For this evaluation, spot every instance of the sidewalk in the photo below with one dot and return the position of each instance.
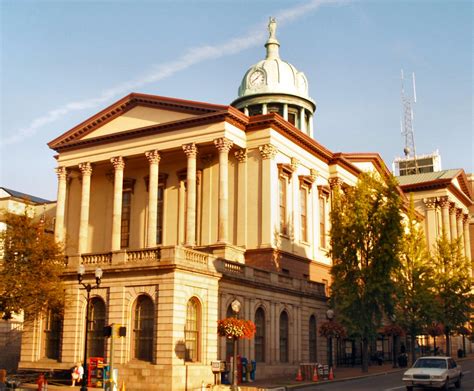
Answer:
(282, 383)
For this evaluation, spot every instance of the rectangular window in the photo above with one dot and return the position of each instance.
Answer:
(283, 202)
(126, 212)
(322, 222)
(159, 212)
(304, 213)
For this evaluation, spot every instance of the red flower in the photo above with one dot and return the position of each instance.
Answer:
(435, 329)
(236, 328)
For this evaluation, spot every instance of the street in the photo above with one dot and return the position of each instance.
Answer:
(390, 382)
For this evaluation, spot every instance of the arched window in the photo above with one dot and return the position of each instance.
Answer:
(143, 328)
(284, 337)
(192, 329)
(229, 344)
(96, 328)
(53, 326)
(260, 335)
(313, 350)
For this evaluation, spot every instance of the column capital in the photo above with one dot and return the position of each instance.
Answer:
(443, 202)
(241, 155)
(459, 213)
(223, 144)
(465, 218)
(190, 150)
(61, 171)
(430, 203)
(86, 168)
(335, 182)
(452, 208)
(118, 162)
(153, 157)
(313, 173)
(268, 151)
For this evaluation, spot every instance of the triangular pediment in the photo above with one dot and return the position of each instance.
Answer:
(134, 111)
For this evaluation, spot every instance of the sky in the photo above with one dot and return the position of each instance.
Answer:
(64, 61)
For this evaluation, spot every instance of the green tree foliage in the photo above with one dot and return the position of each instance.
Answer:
(453, 286)
(31, 267)
(365, 233)
(414, 279)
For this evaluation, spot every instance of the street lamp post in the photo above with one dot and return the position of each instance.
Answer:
(394, 345)
(88, 287)
(235, 305)
(330, 316)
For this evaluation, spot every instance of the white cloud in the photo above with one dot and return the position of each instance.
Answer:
(192, 56)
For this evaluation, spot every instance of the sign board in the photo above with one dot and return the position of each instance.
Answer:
(216, 366)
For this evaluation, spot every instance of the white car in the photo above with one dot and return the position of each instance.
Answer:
(433, 371)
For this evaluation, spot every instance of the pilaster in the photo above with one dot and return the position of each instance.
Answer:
(467, 239)
(241, 156)
(269, 195)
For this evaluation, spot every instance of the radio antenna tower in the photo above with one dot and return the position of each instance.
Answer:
(407, 124)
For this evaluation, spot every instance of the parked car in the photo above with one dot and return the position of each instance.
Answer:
(433, 371)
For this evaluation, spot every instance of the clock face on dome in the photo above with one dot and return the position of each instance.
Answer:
(256, 78)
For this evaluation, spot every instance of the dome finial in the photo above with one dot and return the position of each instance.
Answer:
(272, 44)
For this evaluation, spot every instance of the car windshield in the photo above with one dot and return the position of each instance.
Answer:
(430, 363)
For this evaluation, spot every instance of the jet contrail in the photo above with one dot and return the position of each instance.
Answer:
(192, 56)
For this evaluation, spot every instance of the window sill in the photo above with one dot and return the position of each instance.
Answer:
(305, 243)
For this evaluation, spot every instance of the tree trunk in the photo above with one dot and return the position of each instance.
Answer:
(365, 355)
(448, 344)
(412, 348)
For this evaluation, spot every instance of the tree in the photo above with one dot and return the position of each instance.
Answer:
(32, 265)
(414, 281)
(365, 234)
(453, 286)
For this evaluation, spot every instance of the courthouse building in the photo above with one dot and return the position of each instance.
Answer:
(186, 206)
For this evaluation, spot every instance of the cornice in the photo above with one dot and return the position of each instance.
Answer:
(285, 128)
(439, 184)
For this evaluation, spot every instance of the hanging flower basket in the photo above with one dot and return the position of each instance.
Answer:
(463, 330)
(332, 329)
(392, 329)
(234, 328)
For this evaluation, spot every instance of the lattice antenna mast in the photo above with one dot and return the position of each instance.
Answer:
(406, 125)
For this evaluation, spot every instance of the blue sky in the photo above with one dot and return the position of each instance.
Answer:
(63, 61)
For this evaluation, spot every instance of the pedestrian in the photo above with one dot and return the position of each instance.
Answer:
(77, 374)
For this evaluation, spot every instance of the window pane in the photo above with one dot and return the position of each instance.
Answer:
(312, 339)
(284, 337)
(159, 219)
(322, 223)
(282, 190)
(143, 328)
(260, 335)
(125, 226)
(303, 207)
(52, 334)
(96, 338)
(192, 330)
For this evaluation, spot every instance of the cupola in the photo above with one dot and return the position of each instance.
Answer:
(274, 85)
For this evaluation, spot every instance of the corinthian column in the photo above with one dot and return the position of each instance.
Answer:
(119, 166)
(86, 170)
(191, 152)
(444, 203)
(154, 160)
(223, 145)
(60, 204)
(452, 216)
(269, 202)
(467, 240)
(430, 221)
(460, 229)
(241, 156)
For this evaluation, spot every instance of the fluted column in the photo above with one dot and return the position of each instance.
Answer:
(154, 160)
(444, 203)
(119, 166)
(285, 111)
(430, 221)
(86, 170)
(60, 204)
(460, 229)
(241, 156)
(302, 121)
(452, 216)
(467, 239)
(223, 145)
(191, 152)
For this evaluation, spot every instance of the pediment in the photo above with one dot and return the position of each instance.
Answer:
(134, 111)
